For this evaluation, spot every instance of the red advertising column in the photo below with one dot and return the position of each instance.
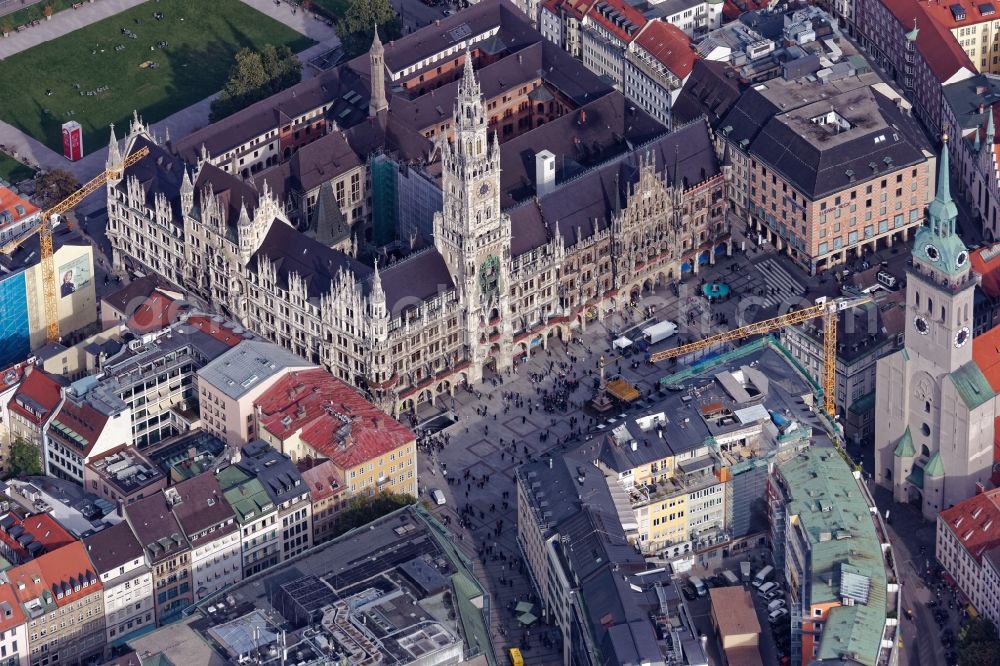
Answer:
(72, 135)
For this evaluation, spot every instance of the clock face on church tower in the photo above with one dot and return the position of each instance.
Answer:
(932, 252)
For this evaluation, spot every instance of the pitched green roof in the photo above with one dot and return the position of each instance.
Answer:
(916, 476)
(904, 449)
(972, 385)
(834, 517)
(934, 466)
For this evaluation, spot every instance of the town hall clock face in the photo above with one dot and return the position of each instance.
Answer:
(489, 278)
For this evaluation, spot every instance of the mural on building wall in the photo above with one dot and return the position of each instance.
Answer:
(73, 276)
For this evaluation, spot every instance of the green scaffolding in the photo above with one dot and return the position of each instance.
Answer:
(384, 201)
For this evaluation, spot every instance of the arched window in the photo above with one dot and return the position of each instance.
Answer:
(944, 313)
(927, 406)
(916, 295)
(924, 451)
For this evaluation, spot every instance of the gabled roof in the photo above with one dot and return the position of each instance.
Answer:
(986, 354)
(422, 275)
(33, 535)
(975, 522)
(37, 396)
(15, 207)
(134, 294)
(58, 578)
(331, 417)
(939, 48)
(669, 45)
(11, 614)
(292, 252)
(156, 527)
(203, 507)
(112, 548)
(972, 385)
(323, 480)
(617, 17)
(78, 424)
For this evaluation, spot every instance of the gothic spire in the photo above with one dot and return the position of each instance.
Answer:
(469, 88)
(377, 295)
(114, 155)
(942, 209)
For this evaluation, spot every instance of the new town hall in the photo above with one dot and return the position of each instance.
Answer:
(492, 282)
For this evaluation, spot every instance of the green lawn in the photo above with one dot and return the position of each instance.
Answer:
(335, 8)
(35, 12)
(13, 171)
(202, 36)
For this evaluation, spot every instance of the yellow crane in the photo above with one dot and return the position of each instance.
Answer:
(824, 307)
(44, 231)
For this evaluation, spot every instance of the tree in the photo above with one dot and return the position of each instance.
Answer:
(24, 459)
(256, 75)
(355, 27)
(978, 644)
(51, 187)
(362, 510)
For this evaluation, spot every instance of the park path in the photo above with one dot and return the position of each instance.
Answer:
(181, 123)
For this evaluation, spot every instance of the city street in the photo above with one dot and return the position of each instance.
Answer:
(480, 451)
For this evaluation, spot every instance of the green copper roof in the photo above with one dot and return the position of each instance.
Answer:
(904, 449)
(836, 521)
(916, 477)
(972, 385)
(936, 245)
(249, 501)
(934, 467)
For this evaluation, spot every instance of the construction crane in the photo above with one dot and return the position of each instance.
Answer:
(44, 230)
(826, 308)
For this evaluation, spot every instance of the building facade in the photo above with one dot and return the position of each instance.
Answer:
(968, 537)
(127, 580)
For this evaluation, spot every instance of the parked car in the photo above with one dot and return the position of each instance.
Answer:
(776, 615)
(775, 605)
(766, 587)
(773, 594)
(437, 496)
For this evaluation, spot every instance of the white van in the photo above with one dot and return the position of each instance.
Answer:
(765, 588)
(776, 615)
(438, 496)
(775, 605)
(699, 585)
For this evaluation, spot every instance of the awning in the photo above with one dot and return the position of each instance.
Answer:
(622, 343)
(622, 390)
(524, 607)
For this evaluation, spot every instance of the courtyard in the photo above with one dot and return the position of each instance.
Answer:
(156, 58)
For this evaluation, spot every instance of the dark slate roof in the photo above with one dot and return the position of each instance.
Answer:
(230, 191)
(418, 277)
(282, 481)
(329, 87)
(202, 507)
(964, 97)
(153, 523)
(580, 140)
(711, 90)
(324, 159)
(588, 202)
(393, 136)
(158, 173)
(113, 547)
(812, 158)
(293, 252)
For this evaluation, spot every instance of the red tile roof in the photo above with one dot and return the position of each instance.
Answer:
(668, 44)
(323, 480)
(975, 522)
(936, 44)
(573, 8)
(38, 390)
(215, 329)
(82, 419)
(331, 417)
(42, 528)
(986, 262)
(9, 202)
(599, 14)
(943, 15)
(8, 600)
(986, 354)
(62, 574)
(155, 314)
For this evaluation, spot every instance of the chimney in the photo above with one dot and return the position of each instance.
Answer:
(545, 172)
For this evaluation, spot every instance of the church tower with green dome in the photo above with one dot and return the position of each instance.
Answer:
(936, 410)
(937, 249)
